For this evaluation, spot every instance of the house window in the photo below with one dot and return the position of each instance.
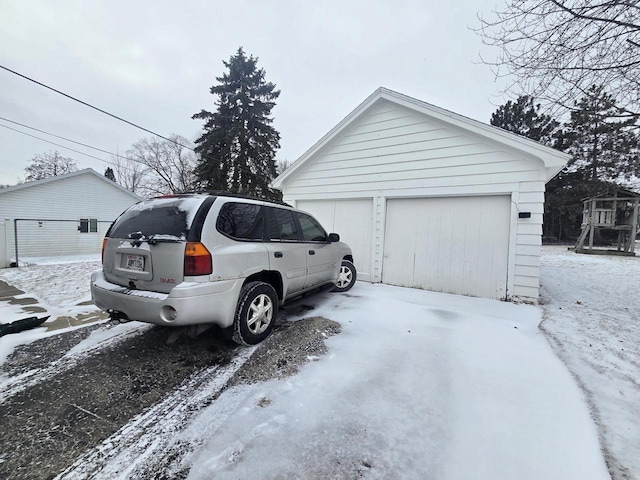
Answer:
(88, 225)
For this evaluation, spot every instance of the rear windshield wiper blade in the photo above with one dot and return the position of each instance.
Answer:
(163, 238)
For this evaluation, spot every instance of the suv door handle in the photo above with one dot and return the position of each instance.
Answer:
(312, 252)
(277, 254)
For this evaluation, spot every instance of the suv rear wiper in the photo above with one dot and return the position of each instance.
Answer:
(162, 238)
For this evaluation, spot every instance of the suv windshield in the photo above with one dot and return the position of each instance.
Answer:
(157, 217)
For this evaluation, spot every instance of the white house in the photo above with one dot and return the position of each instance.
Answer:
(428, 198)
(64, 215)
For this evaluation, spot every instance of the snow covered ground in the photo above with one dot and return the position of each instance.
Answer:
(59, 284)
(592, 316)
(417, 385)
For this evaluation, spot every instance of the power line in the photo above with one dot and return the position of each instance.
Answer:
(62, 138)
(95, 108)
(76, 151)
(53, 143)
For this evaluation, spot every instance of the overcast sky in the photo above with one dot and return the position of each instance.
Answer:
(153, 63)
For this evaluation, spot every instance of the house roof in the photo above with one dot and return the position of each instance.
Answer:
(552, 159)
(86, 171)
(616, 191)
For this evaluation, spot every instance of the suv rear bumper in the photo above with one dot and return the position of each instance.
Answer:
(194, 303)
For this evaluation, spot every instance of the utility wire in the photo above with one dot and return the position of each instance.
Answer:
(95, 108)
(62, 138)
(53, 143)
(76, 151)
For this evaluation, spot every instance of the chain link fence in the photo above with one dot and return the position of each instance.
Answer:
(49, 237)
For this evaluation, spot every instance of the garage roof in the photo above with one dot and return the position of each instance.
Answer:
(86, 171)
(552, 159)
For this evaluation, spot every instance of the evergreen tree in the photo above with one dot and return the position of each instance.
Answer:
(605, 154)
(603, 147)
(524, 118)
(237, 149)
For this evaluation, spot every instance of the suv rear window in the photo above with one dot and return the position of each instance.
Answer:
(159, 216)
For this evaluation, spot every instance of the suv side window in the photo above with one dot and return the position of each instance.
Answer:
(282, 225)
(311, 229)
(241, 221)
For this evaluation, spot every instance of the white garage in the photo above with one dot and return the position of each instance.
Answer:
(429, 199)
(62, 215)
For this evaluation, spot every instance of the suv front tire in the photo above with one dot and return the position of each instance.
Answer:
(346, 278)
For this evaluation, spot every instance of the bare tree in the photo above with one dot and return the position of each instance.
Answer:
(555, 50)
(168, 166)
(49, 164)
(156, 167)
(281, 166)
(130, 175)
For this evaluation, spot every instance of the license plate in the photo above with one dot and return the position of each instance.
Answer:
(135, 262)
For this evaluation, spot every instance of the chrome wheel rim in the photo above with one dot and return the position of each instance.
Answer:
(345, 277)
(260, 314)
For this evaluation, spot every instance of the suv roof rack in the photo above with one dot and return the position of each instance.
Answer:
(223, 193)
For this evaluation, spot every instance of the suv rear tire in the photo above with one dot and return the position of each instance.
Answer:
(255, 314)
(347, 277)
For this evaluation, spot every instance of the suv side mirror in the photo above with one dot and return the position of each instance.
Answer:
(334, 237)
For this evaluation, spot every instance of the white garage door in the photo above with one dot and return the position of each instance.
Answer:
(351, 219)
(453, 245)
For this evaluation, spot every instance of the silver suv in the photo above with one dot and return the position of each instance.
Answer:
(215, 259)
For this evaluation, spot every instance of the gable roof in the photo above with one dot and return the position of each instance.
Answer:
(86, 171)
(552, 159)
(614, 191)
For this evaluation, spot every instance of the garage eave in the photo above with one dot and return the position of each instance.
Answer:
(553, 160)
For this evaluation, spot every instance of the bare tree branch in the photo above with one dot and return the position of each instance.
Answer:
(157, 167)
(50, 164)
(130, 175)
(555, 50)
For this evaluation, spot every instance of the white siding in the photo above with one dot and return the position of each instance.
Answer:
(69, 198)
(392, 151)
(4, 260)
(403, 152)
(50, 238)
(526, 278)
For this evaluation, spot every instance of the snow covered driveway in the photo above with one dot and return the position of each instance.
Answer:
(417, 385)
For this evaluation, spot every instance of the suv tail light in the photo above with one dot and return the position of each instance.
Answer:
(104, 244)
(197, 260)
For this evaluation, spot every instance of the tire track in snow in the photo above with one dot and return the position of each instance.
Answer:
(98, 340)
(47, 426)
(146, 441)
